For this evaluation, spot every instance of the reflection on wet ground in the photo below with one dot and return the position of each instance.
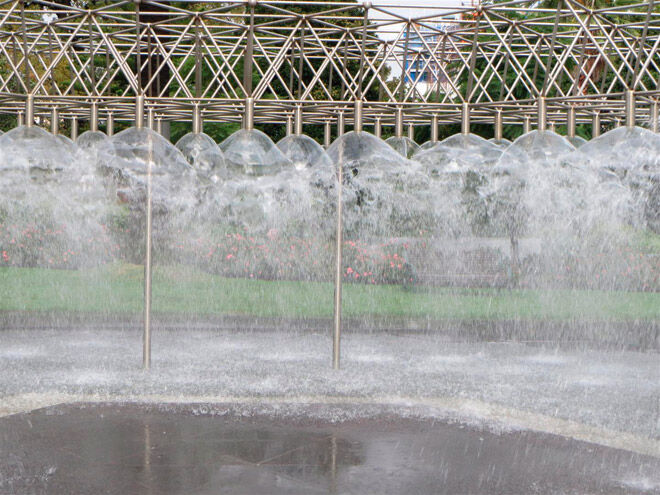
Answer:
(193, 449)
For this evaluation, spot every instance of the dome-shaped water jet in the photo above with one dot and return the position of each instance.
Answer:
(253, 153)
(204, 155)
(403, 145)
(303, 152)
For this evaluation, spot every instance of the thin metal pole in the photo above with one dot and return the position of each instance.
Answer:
(94, 117)
(327, 134)
(248, 118)
(398, 123)
(298, 120)
(159, 125)
(29, 110)
(595, 125)
(630, 108)
(570, 122)
(527, 124)
(19, 119)
(336, 338)
(411, 131)
(498, 125)
(434, 128)
(378, 128)
(146, 337)
(151, 118)
(110, 124)
(340, 124)
(197, 119)
(357, 116)
(654, 116)
(249, 53)
(465, 118)
(289, 125)
(54, 121)
(542, 113)
(74, 128)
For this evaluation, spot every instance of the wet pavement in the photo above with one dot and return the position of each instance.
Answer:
(222, 448)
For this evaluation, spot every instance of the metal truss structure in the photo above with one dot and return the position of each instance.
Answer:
(331, 63)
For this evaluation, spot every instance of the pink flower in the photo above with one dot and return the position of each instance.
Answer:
(349, 270)
(230, 256)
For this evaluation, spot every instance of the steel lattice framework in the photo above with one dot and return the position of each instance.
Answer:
(323, 62)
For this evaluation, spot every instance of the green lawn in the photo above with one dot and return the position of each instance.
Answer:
(118, 289)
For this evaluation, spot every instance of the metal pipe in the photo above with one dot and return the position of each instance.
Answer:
(654, 116)
(527, 124)
(595, 125)
(465, 118)
(327, 134)
(498, 125)
(54, 121)
(336, 338)
(146, 336)
(29, 110)
(19, 119)
(74, 128)
(340, 124)
(151, 118)
(357, 116)
(298, 120)
(139, 111)
(552, 126)
(570, 122)
(159, 125)
(94, 117)
(434, 128)
(398, 123)
(197, 119)
(289, 125)
(630, 108)
(378, 128)
(542, 109)
(248, 116)
(411, 131)
(110, 124)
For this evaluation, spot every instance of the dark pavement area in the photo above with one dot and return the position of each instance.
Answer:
(226, 449)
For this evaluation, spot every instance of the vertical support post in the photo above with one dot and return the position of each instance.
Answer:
(542, 116)
(197, 119)
(398, 123)
(74, 128)
(159, 125)
(94, 117)
(340, 124)
(357, 116)
(595, 125)
(139, 111)
(630, 108)
(298, 120)
(570, 122)
(198, 59)
(54, 121)
(527, 124)
(29, 110)
(19, 119)
(248, 116)
(249, 52)
(336, 337)
(498, 125)
(151, 118)
(411, 131)
(434, 128)
(552, 126)
(146, 336)
(654, 116)
(327, 134)
(378, 128)
(289, 125)
(110, 124)
(465, 118)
